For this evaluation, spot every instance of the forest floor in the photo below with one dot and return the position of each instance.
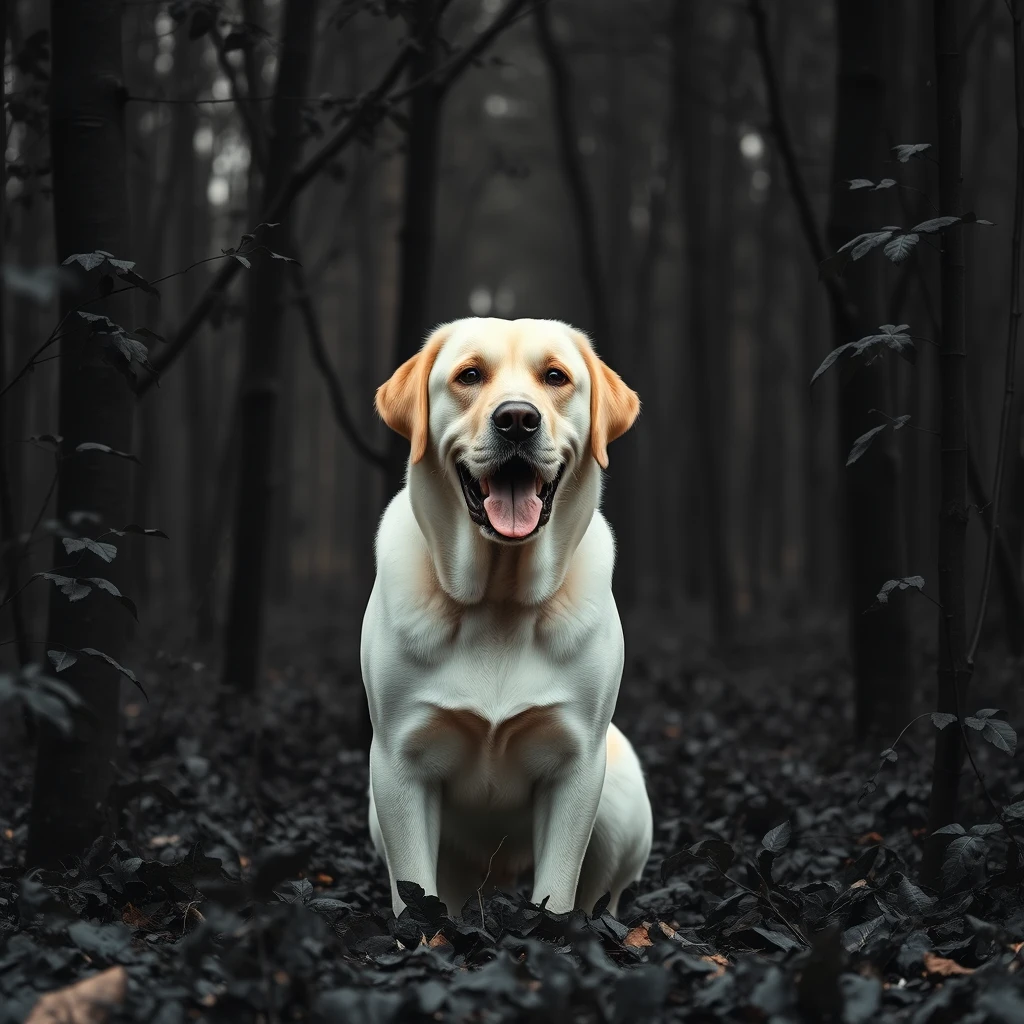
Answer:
(242, 885)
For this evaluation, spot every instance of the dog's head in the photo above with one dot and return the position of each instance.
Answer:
(508, 407)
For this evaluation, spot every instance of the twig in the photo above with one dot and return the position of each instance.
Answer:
(797, 186)
(304, 299)
(318, 351)
(1012, 328)
(480, 891)
(574, 174)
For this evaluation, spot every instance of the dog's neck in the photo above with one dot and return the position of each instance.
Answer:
(470, 568)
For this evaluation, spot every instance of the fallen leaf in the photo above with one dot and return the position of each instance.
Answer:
(134, 918)
(323, 879)
(88, 1001)
(935, 964)
(667, 930)
(8, 833)
(438, 940)
(870, 837)
(638, 938)
(716, 958)
(157, 842)
(859, 883)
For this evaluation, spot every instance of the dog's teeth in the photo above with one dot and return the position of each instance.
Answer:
(485, 487)
(540, 483)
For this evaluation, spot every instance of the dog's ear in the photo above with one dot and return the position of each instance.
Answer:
(613, 405)
(402, 400)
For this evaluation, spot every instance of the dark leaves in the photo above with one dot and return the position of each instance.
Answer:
(863, 443)
(891, 336)
(905, 151)
(95, 446)
(904, 583)
(778, 838)
(106, 552)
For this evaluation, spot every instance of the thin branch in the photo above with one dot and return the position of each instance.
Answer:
(372, 102)
(574, 173)
(303, 298)
(318, 351)
(797, 186)
(1012, 328)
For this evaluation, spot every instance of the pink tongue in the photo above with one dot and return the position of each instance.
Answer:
(513, 506)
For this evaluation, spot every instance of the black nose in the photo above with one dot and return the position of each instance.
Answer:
(516, 420)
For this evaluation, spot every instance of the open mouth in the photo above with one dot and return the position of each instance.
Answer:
(514, 501)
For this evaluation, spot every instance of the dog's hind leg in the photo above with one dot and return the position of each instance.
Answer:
(621, 841)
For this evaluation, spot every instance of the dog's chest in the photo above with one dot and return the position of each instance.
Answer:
(486, 762)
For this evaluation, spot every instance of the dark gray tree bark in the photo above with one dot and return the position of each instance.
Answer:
(954, 668)
(73, 777)
(262, 369)
(416, 239)
(879, 643)
(704, 334)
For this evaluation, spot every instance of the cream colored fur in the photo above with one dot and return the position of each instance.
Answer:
(492, 667)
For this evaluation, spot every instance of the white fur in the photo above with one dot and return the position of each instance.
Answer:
(463, 632)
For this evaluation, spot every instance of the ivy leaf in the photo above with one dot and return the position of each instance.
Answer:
(884, 183)
(904, 583)
(906, 150)
(73, 589)
(935, 224)
(950, 830)
(973, 218)
(62, 659)
(986, 829)
(901, 246)
(856, 183)
(889, 754)
(900, 421)
(72, 545)
(913, 901)
(86, 260)
(940, 719)
(863, 244)
(95, 446)
(141, 531)
(1000, 734)
(778, 838)
(126, 672)
(287, 259)
(241, 259)
(961, 856)
(109, 588)
(863, 443)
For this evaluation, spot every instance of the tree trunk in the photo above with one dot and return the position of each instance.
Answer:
(704, 333)
(191, 244)
(416, 239)
(954, 670)
(879, 641)
(73, 776)
(261, 370)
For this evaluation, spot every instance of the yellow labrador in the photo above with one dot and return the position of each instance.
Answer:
(491, 646)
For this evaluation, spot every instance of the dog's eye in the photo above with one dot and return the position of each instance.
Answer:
(471, 375)
(555, 377)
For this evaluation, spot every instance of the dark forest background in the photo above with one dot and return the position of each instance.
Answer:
(226, 223)
(611, 164)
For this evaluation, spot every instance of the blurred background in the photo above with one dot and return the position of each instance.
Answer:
(616, 165)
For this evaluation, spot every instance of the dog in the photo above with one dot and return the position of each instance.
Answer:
(491, 647)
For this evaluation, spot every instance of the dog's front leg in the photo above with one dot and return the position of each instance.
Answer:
(564, 812)
(409, 816)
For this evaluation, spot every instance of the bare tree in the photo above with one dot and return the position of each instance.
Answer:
(73, 776)
(703, 333)
(262, 367)
(954, 668)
